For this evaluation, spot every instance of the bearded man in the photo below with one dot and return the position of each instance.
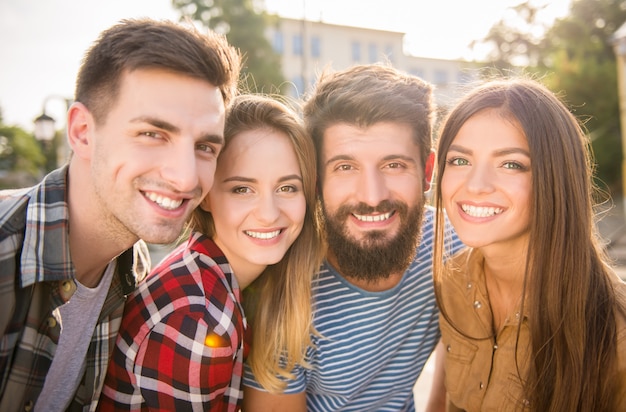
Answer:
(375, 318)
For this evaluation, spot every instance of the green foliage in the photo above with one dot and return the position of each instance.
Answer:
(579, 61)
(21, 157)
(514, 41)
(574, 58)
(19, 151)
(243, 22)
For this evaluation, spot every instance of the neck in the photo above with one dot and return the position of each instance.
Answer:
(504, 278)
(91, 245)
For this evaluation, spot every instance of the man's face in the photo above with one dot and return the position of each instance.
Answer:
(154, 157)
(372, 184)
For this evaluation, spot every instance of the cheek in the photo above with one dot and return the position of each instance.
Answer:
(527, 196)
(296, 210)
(332, 196)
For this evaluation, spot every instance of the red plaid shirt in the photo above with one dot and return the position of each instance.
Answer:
(181, 345)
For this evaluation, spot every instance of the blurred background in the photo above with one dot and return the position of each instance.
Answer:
(575, 47)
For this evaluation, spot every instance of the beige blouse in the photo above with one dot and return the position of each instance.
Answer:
(481, 371)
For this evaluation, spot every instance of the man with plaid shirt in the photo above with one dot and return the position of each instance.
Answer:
(145, 131)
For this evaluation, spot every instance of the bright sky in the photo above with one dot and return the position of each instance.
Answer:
(42, 41)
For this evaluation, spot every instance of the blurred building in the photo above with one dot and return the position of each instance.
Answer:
(307, 47)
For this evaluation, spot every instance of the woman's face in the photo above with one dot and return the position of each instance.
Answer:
(486, 185)
(257, 201)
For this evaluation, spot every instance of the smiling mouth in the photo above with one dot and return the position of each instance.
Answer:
(477, 211)
(164, 202)
(373, 218)
(263, 235)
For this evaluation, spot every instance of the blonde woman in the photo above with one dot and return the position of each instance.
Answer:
(185, 333)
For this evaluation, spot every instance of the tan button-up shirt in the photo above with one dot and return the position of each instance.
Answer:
(482, 373)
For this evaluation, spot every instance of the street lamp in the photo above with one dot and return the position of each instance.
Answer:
(45, 133)
(45, 130)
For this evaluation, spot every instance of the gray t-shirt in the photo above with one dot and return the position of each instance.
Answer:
(78, 318)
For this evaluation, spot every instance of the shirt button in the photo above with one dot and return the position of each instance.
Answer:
(481, 385)
(51, 322)
(526, 402)
(448, 348)
(28, 406)
(495, 347)
(477, 304)
(66, 285)
(469, 285)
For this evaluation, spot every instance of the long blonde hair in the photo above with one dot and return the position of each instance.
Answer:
(278, 302)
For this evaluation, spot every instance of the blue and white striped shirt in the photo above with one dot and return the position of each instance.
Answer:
(372, 345)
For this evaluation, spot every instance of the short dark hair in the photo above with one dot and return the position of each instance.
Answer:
(363, 95)
(143, 44)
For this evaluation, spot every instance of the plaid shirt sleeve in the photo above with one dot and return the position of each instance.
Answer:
(181, 343)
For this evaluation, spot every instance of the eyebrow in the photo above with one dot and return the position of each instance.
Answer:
(405, 158)
(169, 127)
(500, 152)
(253, 180)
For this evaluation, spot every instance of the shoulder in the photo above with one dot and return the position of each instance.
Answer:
(13, 209)
(195, 268)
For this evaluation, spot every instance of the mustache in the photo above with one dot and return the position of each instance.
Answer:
(363, 209)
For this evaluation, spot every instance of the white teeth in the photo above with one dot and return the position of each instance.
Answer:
(370, 218)
(164, 202)
(477, 211)
(262, 235)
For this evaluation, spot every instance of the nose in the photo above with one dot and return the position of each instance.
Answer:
(372, 187)
(480, 179)
(267, 209)
(180, 168)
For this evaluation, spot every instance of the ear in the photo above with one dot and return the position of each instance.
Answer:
(80, 129)
(206, 203)
(429, 168)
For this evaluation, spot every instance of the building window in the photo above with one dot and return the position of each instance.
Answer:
(278, 42)
(297, 44)
(441, 77)
(373, 53)
(316, 46)
(356, 51)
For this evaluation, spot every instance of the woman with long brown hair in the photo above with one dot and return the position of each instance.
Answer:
(532, 315)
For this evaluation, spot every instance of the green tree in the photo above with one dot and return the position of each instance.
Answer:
(244, 23)
(516, 40)
(579, 61)
(574, 57)
(21, 157)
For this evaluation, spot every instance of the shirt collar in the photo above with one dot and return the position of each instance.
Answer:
(46, 252)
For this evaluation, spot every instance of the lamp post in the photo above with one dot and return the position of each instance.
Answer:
(45, 131)
(619, 47)
(45, 134)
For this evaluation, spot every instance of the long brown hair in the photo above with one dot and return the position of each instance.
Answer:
(278, 302)
(567, 283)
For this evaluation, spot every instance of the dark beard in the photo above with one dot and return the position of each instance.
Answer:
(377, 256)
